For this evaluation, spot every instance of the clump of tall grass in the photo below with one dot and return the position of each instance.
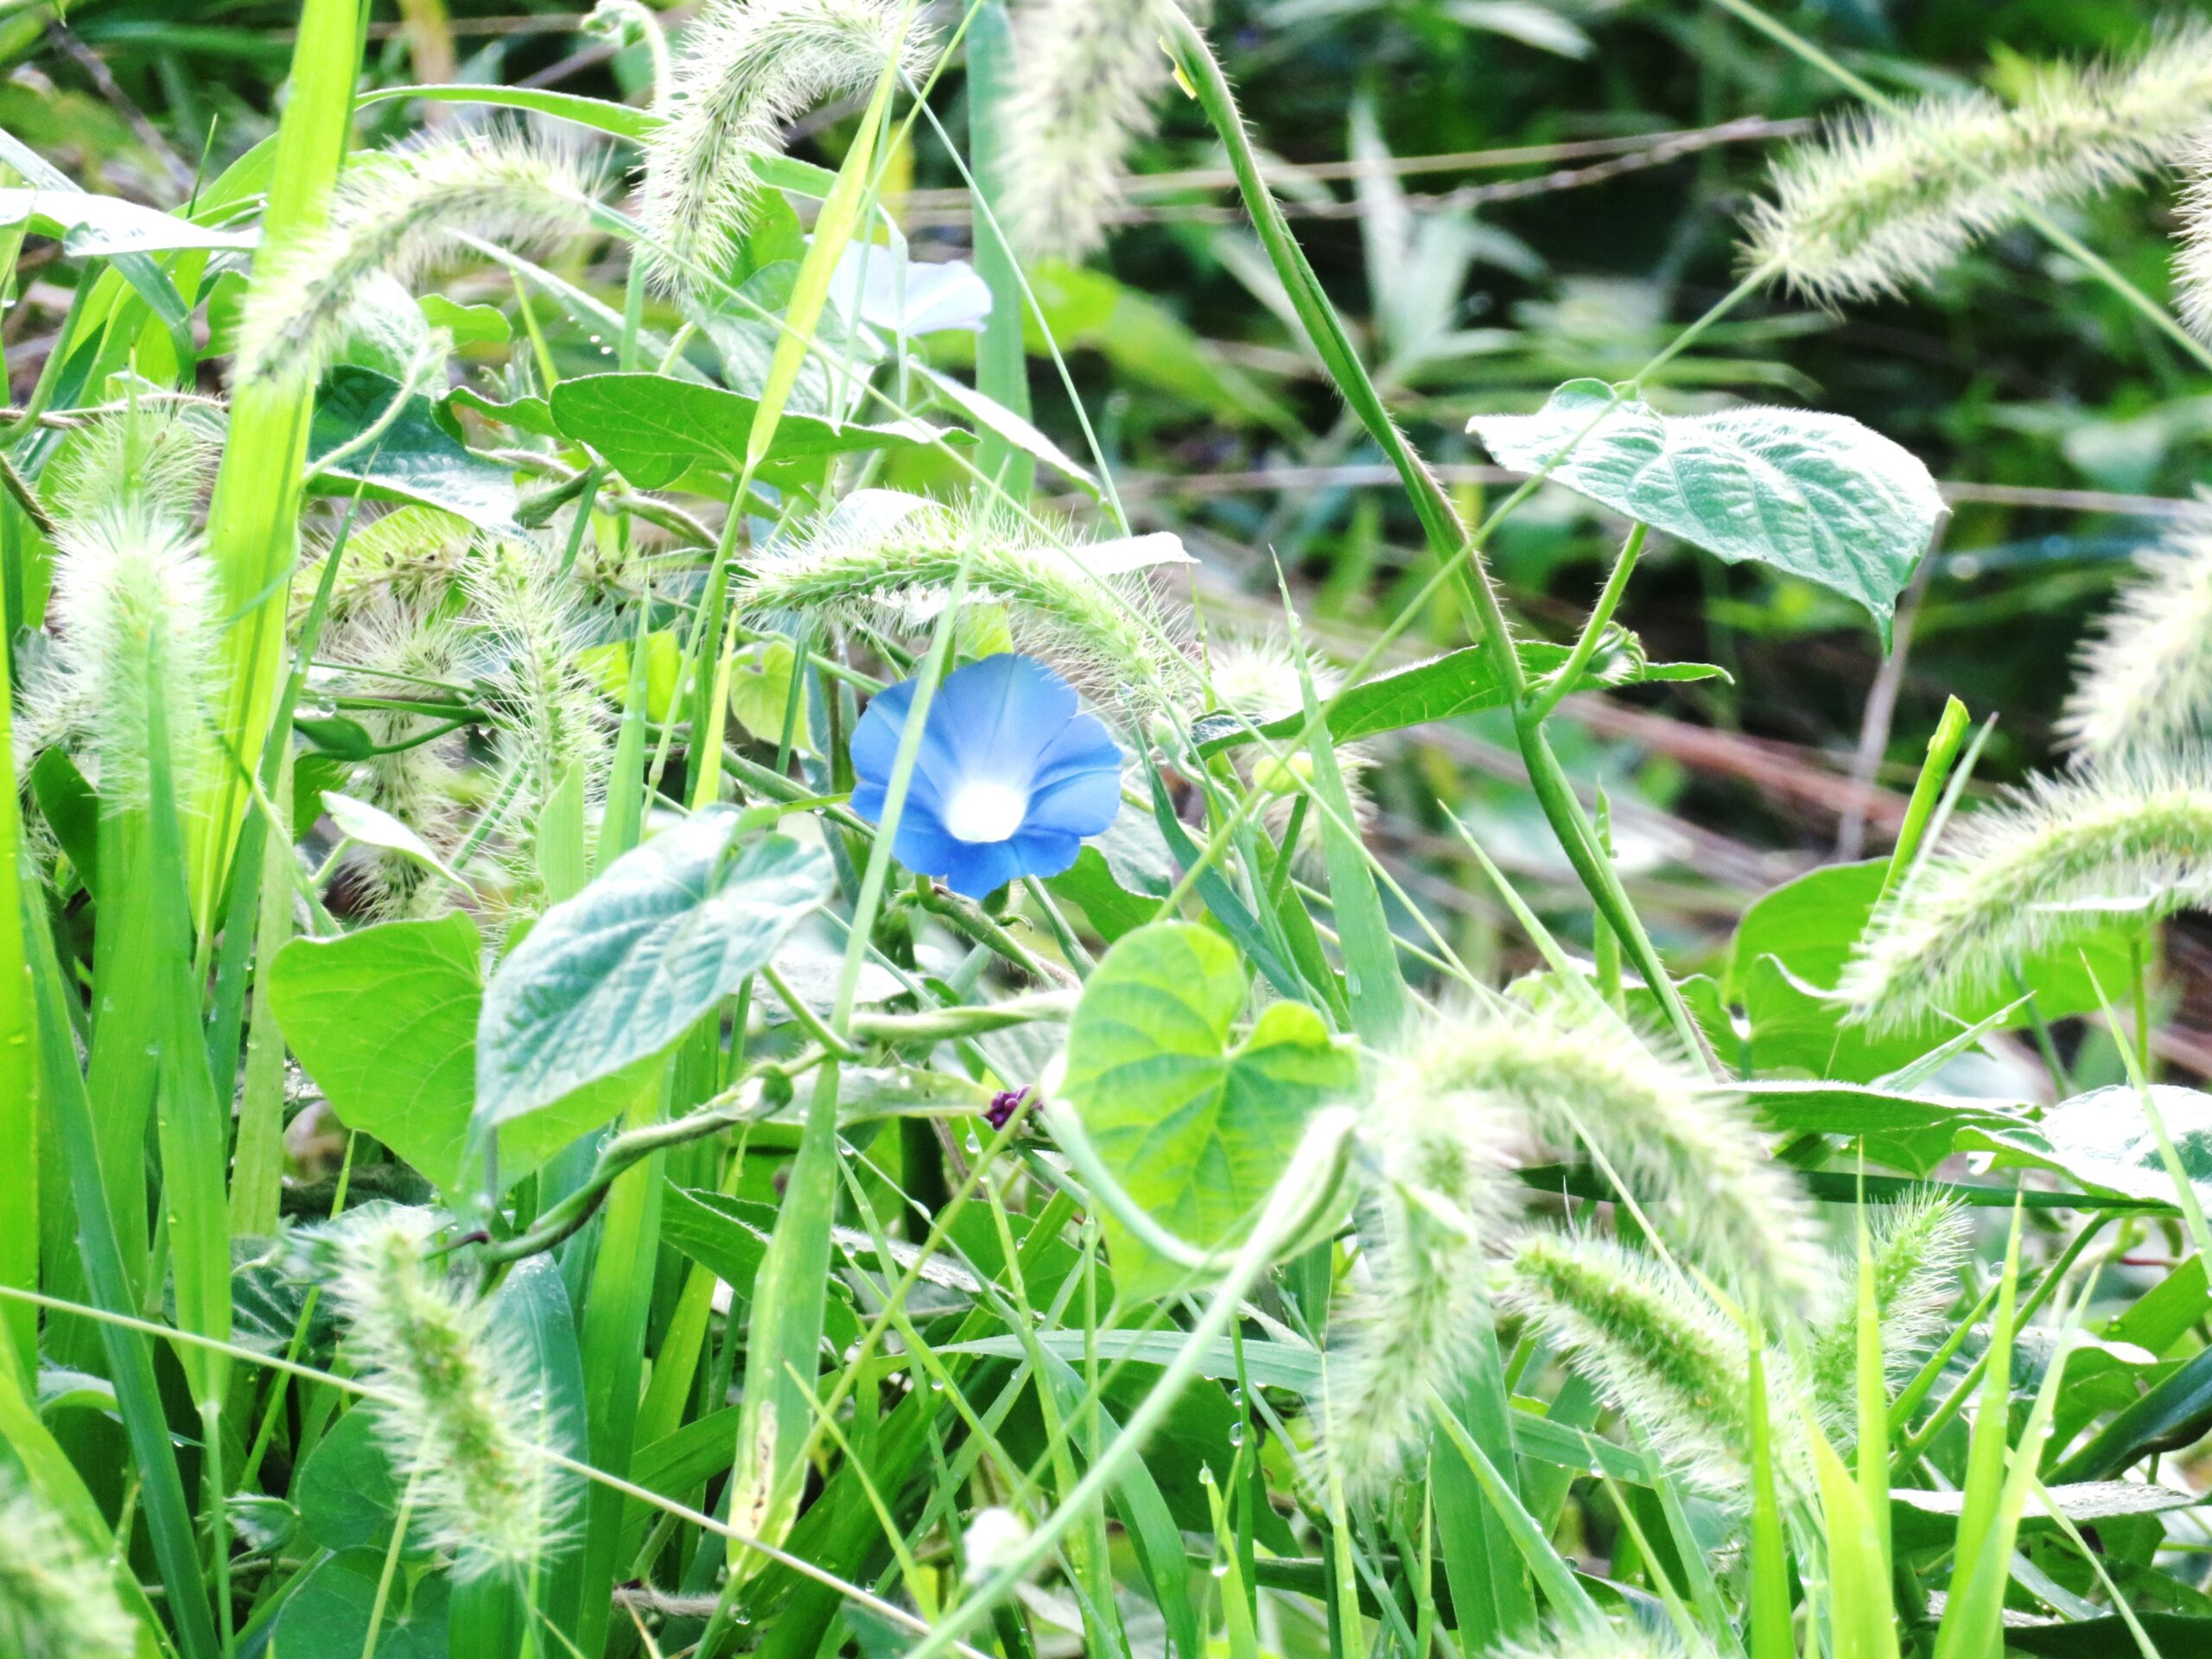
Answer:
(462, 1429)
(397, 215)
(2060, 859)
(747, 69)
(1090, 73)
(56, 1600)
(2145, 681)
(1885, 201)
(886, 556)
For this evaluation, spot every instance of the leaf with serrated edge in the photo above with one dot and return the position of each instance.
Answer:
(1817, 495)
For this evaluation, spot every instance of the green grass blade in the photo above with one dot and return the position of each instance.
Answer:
(1770, 1595)
(19, 1057)
(1001, 359)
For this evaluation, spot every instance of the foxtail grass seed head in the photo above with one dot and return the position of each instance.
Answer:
(1915, 1250)
(132, 600)
(145, 464)
(454, 1412)
(397, 215)
(415, 777)
(1416, 1294)
(553, 721)
(56, 1600)
(1882, 202)
(1673, 1363)
(2059, 860)
(2145, 686)
(888, 557)
(1090, 73)
(1257, 679)
(1688, 1153)
(748, 66)
(2193, 264)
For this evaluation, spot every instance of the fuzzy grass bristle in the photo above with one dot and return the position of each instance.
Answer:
(2056, 862)
(1660, 1352)
(2145, 681)
(1915, 1250)
(883, 555)
(56, 1600)
(748, 67)
(1688, 1153)
(397, 215)
(1257, 679)
(1402, 1330)
(461, 1430)
(2193, 264)
(1883, 201)
(1090, 72)
(134, 602)
(147, 463)
(552, 720)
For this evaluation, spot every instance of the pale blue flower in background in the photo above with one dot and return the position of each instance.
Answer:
(885, 290)
(1009, 779)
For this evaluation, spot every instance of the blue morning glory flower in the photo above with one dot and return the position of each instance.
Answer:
(1009, 779)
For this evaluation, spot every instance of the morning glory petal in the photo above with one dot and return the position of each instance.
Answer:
(1009, 775)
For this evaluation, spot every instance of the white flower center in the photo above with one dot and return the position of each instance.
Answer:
(985, 809)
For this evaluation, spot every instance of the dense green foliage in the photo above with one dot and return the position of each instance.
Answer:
(1298, 827)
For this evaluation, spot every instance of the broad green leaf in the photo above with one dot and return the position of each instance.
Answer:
(654, 427)
(413, 459)
(1462, 681)
(1789, 950)
(625, 968)
(1197, 1127)
(760, 693)
(345, 1491)
(2176, 1413)
(329, 1612)
(384, 1021)
(1818, 496)
(2103, 1140)
(1120, 876)
(104, 226)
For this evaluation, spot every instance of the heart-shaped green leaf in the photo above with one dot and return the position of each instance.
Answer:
(1195, 1127)
(1817, 495)
(626, 967)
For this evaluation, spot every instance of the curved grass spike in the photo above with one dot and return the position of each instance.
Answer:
(1402, 1332)
(1887, 199)
(1685, 1151)
(2059, 860)
(2145, 686)
(450, 1407)
(396, 214)
(1459, 552)
(2193, 264)
(56, 1600)
(1089, 72)
(746, 71)
(253, 525)
(882, 549)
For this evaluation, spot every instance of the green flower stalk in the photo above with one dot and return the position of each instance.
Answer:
(747, 70)
(1669, 1360)
(397, 215)
(886, 556)
(462, 1432)
(1688, 1153)
(2145, 681)
(56, 1601)
(1883, 201)
(1417, 1298)
(1091, 71)
(2058, 861)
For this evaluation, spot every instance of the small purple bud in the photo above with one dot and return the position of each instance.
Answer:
(1004, 1104)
